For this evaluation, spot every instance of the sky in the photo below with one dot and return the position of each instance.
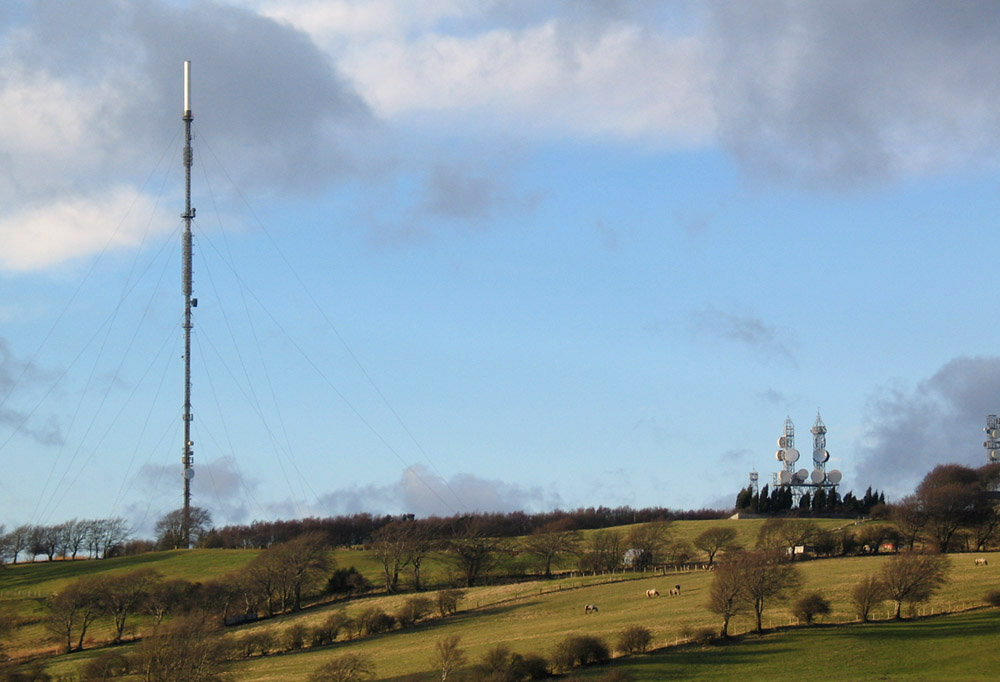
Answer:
(491, 255)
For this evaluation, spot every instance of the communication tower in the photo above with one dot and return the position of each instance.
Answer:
(992, 443)
(801, 481)
(187, 458)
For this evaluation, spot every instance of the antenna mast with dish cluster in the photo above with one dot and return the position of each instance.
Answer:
(187, 460)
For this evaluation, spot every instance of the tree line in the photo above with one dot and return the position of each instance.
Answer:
(818, 502)
(358, 529)
(92, 538)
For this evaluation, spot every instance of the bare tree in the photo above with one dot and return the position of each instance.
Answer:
(910, 519)
(866, 594)
(716, 539)
(725, 596)
(121, 595)
(763, 576)
(605, 551)
(102, 537)
(985, 527)
(184, 650)
(786, 534)
(475, 553)
(389, 544)
(74, 609)
(18, 540)
(75, 534)
(912, 577)
(448, 657)
(305, 561)
(552, 540)
(953, 497)
(45, 540)
(175, 530)
(648, 540)
(422, 541)
(281, 573)
(164, 597)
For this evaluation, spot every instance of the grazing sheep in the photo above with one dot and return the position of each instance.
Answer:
(590, 608)
(652, 593)
(982, 562)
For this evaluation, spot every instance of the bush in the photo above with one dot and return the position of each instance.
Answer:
(534, 667)
(447, 601)
(374, 621)
(347, 581)
(413, 610)
(993, 598)
(810, 606)
(295, 637)
(580, 650)
(500, 664)
(327, 632)
(634, 639)
(701, 636)
(259, 643)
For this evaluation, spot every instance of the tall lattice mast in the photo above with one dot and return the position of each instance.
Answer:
(188, 457)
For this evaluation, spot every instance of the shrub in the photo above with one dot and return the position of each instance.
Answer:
(500, 664)
(580, 650)
(327, 632)
(447, 601)
(347, 581)
(533, 667)
(259, 643)
(374, 621)
(701, 636)
(810, 606)
(295, 637)
(413, 610)
(634, 639)
(993, 598)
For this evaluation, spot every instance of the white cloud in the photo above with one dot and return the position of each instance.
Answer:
(47, 235)
(547, 73)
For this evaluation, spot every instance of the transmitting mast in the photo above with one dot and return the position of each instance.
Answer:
(187, 459)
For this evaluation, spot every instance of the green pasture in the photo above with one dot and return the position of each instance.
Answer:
(529, 616)
(959, 648)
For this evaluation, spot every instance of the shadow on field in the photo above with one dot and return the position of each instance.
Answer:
(70, 569)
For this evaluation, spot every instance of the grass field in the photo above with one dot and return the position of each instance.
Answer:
(531, 617)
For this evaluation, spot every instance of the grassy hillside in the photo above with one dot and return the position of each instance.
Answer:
(530, 617)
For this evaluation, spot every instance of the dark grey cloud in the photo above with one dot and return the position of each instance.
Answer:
(847, 93)
(745, 330)
(910, 431)
(262, 93)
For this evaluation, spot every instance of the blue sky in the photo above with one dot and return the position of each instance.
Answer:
(491, 255)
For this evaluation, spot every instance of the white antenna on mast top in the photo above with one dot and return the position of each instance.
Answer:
(187, 87)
